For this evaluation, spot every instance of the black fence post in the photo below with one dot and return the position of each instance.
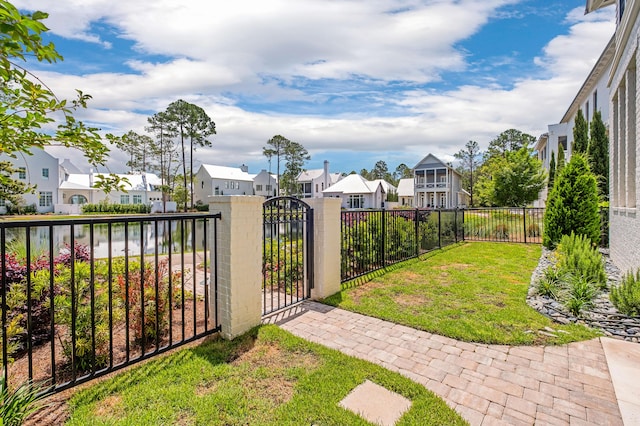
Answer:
(439, 229)
(384, 237)
(524, 221)
(416, 219)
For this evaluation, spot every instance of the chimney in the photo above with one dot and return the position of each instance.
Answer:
(326, 174)
(244, 168)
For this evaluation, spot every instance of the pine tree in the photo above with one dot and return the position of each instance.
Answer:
(580, 134)
(572, 204)
(552, 170)
(599, 154)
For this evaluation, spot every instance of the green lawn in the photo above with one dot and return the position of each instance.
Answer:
(474, 292)
(266, 377)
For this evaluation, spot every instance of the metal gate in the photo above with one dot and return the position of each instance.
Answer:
(287, 253)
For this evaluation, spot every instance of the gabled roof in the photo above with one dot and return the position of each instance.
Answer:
(228, 173)
(597, 4)
(309, 175)
(353, 184)
(406, 188)
(385, 185)
(432, 159)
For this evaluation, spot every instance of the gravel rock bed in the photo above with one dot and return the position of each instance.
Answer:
(603, 315)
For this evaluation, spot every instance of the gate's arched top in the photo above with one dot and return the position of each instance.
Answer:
(292, 202)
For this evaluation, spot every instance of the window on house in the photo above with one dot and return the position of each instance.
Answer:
(562, 140)
(202, 185)
(586, 109)
(621, 6)
(268, 188)
(595, 101)
(3, 203)
(217, 191)
(137, 199)
(45, 173)
(258, 187)
(316, 187)
(45, 198)
(124, 199)
(356, 201)
(226, 184)
(22, 172)
(78, 199)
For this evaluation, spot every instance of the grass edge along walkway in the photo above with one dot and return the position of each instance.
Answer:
(474, 292)
(267, 376)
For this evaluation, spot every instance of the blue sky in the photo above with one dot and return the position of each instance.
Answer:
(353, 81)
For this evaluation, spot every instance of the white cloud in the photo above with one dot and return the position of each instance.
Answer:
(223, 50)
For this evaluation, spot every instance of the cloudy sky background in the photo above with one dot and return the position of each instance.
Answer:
(354, 81)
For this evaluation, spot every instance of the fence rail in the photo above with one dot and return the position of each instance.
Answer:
(375, 239)
(84, 297)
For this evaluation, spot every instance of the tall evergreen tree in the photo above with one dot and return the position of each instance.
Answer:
(572, 205)
(561, 159)
(275, 147)
(552, 170)
(580, 134)
(295, 155)
(599, 154)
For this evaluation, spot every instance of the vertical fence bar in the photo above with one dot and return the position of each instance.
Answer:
(206, 272)
(143, 340)
(127, 299)
(156, 259)
(214, 267)
(171, 283)
(439, 228)
(92, 296)
(110, 289)
(74, 302)
(29, 319)
(194, 276)
(182, 275)
(52, 310)
(524, 223)
(3, 294)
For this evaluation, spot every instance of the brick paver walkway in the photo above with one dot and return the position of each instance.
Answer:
(486, 384)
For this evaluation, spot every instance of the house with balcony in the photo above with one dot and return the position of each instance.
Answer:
(624, 125)
(312, 183)
(592, 97)
(437, 185)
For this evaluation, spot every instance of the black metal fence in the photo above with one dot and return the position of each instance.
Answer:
(85, 297)
(516, 225)
(374, 239)
(287, 264)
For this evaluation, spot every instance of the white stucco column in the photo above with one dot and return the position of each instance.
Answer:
(239, 266)
(326, 246)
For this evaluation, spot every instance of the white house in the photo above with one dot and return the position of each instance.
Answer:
(624, 124)
(265, 184)
(80, 188)
(357, 193)
(222, 180)
(592, 96)
(40, 169)
(406, 192)
(312, 183)
(438, 185)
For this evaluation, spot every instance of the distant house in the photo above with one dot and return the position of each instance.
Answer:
(41, 170)
(438, 185)
(357, 193)
(406, 192)
(80, 188)
(222, 180)
(312, 183)
(591, 97)
(265, 184)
